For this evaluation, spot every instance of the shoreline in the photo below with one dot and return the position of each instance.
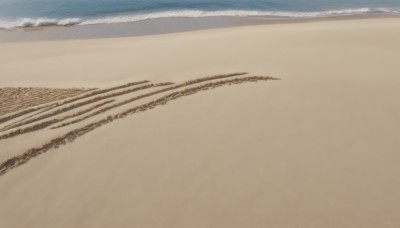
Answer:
(159, 26)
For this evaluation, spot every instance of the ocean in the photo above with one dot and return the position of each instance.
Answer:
(31, 13)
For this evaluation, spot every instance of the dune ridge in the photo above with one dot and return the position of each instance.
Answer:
(317, 149)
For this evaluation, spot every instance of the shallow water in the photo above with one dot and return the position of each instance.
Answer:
(30, 13)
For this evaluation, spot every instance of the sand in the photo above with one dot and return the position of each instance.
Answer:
(318, 148)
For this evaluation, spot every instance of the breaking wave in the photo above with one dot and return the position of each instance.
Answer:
(36, 22)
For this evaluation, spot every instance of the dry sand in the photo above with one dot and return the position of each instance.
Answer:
(319, 148)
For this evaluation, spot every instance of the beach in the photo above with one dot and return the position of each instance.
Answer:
(308, 137)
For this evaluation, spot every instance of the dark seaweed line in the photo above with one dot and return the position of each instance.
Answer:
(96, 92)
(45, 124)
(21, 113)
(72, 135)
(87, 110)
(85, 95)
(48, 123)
(100, 91)
(187, 83)
(28, 117)
(80, 104)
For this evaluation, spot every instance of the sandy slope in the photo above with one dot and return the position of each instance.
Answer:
(317, 149)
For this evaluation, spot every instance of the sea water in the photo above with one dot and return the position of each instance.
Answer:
(30, 13)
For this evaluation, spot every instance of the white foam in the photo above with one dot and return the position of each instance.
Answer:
(29, 22)
(228, 13)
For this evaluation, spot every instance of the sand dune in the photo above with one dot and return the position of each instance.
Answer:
(318, 148)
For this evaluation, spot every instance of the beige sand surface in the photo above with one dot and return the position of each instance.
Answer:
(319, 148)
